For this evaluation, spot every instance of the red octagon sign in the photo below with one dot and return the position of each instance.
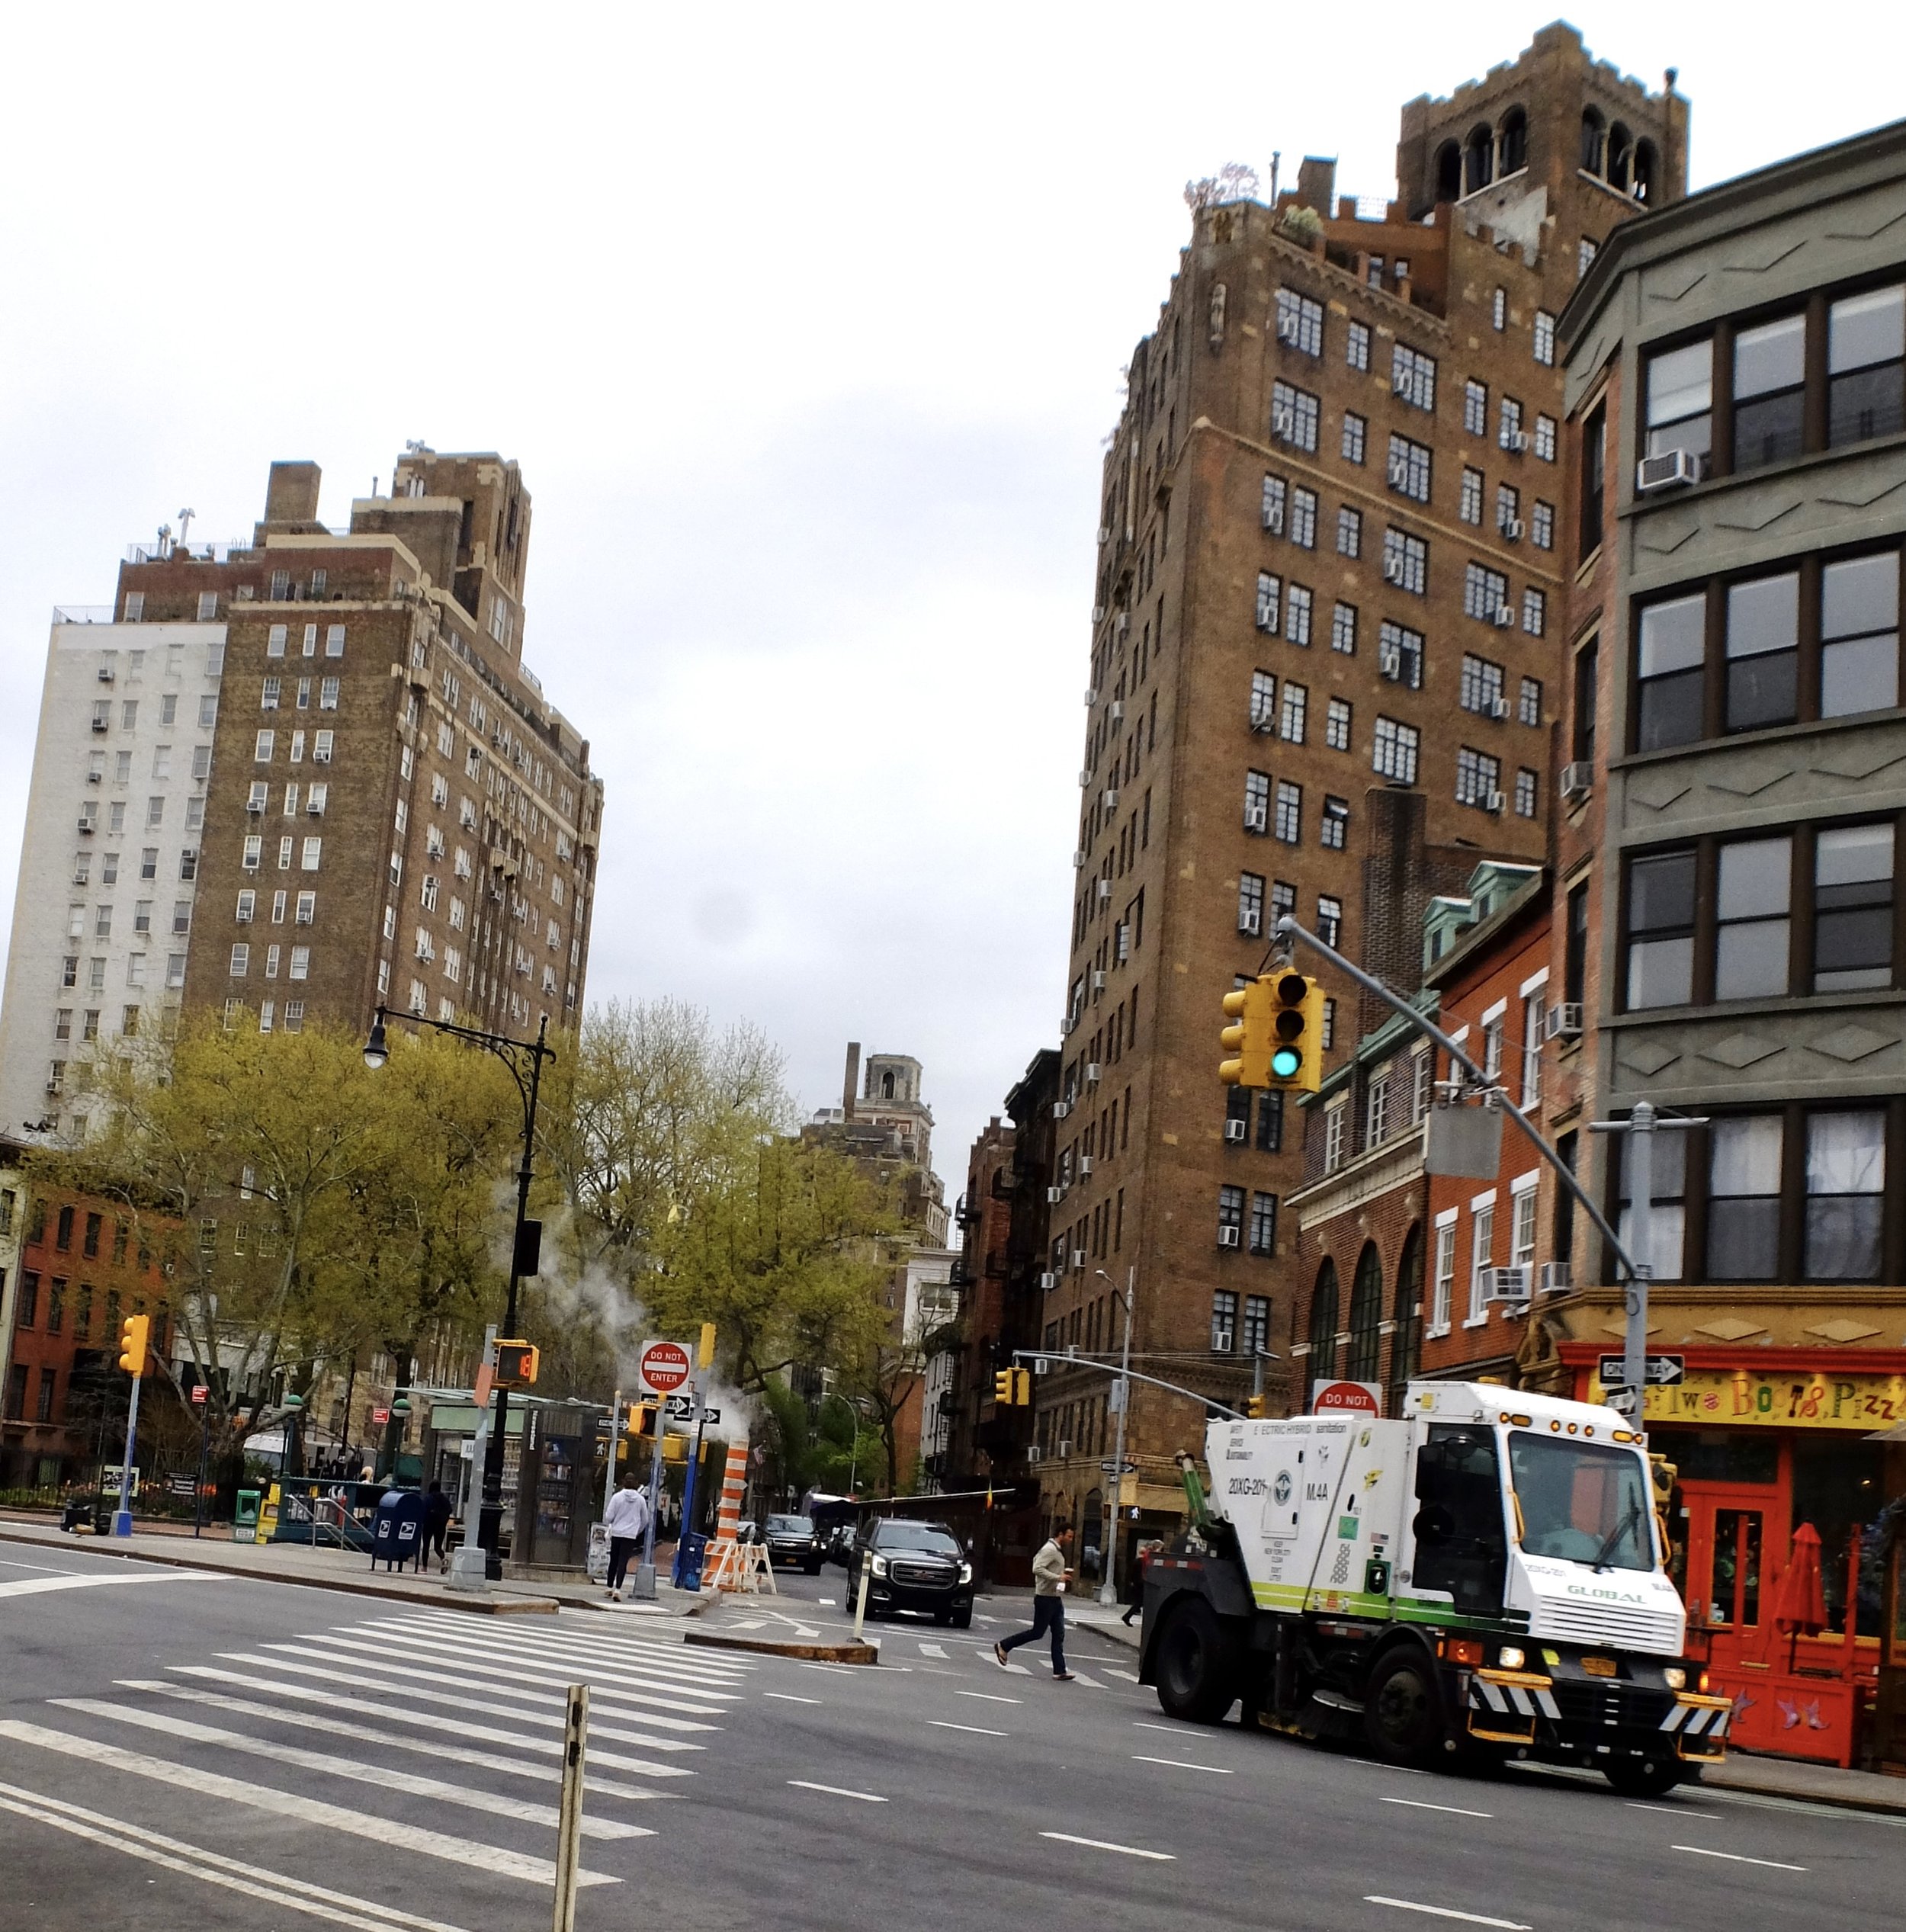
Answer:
(663, 1367)
(1334, 1398)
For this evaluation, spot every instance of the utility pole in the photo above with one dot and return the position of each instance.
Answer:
(1108, 1585)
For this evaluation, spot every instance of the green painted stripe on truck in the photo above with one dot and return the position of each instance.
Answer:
(1295, 1599)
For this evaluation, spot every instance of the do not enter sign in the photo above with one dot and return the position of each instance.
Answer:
(1335, 1398)
(663, 1367)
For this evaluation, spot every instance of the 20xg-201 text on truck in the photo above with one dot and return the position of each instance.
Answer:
(1481, 1576)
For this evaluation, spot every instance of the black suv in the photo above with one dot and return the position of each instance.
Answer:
(793, 1539)
(912, 1566)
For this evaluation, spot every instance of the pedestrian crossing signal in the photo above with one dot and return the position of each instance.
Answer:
(642, 1420)
(516, 1365)
(134, 1332)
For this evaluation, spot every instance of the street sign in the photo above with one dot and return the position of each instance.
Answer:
(681, 1408)
(380, 1416)
(200, 1395)
(1623, 1402)
(184, 1488)
(1333, 1398)
(1660, 1372)
(663, 1367)
(1119, 1468)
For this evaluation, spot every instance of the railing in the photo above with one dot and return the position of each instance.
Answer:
(203, 553)
(83, 614)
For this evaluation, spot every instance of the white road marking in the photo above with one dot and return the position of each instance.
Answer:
(836, 1791)
(839, 1670)
(94, 1580)
(288, 1804)
(676, 1663)
(991, 1697)
(496, 1803)
(825, 1603)
(212, 1868)
(1112, 1671)
(932, 1650)
(788, 1697)
(1180, 1764)
(978, 1730)
(331, 1725)
(1672, 1810)
(1104, 1844)
(1417, 1804)
(1739, 1858)
(1445, 1911)
(46, 1569)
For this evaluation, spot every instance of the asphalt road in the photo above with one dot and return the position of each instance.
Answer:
(178, 1753)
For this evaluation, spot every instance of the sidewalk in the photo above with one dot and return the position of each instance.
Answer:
(345, 1570)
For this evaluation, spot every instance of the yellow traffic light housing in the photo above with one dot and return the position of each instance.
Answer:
(705, 1353)
(1002, 1391)
(1248, 1039)
(1254, 1406)
(642, 1420)
(1022, 1388)
(1012, 1388)
(516, 1365)
(134, 1332)
(1297, 1028)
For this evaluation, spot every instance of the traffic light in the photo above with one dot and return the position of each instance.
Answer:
(1247, 1040)
(642, 1420)
(133, 1334)
(704, 1354)
(1254, 1406)
(516, 1365)
(1022, 1387)
(1012, 1388)
(1297, 1026)
(1003, 1387)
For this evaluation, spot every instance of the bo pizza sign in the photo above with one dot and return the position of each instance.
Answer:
(663, 1367)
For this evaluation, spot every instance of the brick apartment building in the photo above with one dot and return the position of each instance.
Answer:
(1329, 571)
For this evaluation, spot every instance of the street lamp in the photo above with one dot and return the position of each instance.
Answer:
(1108, 1584)
(524, 1059)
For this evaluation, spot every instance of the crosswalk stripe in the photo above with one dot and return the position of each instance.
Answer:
(388, 1832)
(524, 1810)
(212, 1868)
(404, 1697)
(932, 1650)
(469, 1664)
(673, 1658)
(93, 1580)
(1017, 1670)
(333, 1726)
(409, 1672)
(665, 1675)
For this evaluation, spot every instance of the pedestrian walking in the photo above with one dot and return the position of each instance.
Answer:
(1135, 1582)
(1049, 1575)
(625, 1519)
(437, 1515)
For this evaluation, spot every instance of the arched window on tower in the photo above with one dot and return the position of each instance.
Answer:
(1478, 159)
(1594, 144)
(1643, 186)
(886, 1086)
(1620, 156)
(1366, 1317)
(1513, 141)
(1323, 1357)
(1405, 1319)
(1449, 173)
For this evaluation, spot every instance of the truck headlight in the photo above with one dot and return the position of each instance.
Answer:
(1510, 1657)
(966, 1573)
(1675, 1677)
(878, 1565)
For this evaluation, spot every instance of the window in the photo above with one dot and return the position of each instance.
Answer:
(307, 908)
(1334, 829)
(1255, 1338)
(313, 851)
(1297, 614)
(1529, 704)
(1575, 945)
(1867, 366)
(1355, 435)
(1860, 635)
(1484, 592)
(1522, 1230)
(1257, 802)
(1409, 468)
(1223, 1305)
(1545, 438)
(1478, 779)
(155, 814)
(1400, 654)
(1475, 407)
(1744, 1198)
(1299, 321)
(1263, 700)
(1393, 753)
(1668, 1192)
(1679, 386)
(1250, 904)
(1526, 781)
(300, 962)
(1542, 524)
(1852, 944)
(1469, 500)
(1585, 251)
(1230, 1214)
(1769, 391)
(1508, 511)
(1283, 900)
(321, 747)
(1413, 376)
(1752, 925)
(1593, 476)
(334, 640)
(1269, 593)
(1343, 629)
(240, 959)
(1660, 930)
(1349, 533)
(327, 694)
(1406, 562)
(1482, 1222)
(261, 748)
(1535, 1006)
(268, 696)
(1290, 725)
(1669, 651)
(1272, 506)
(1480, 689)
(1294, 416)
(1336, 724)
(1336, 1121)
(1509, 430)
(1304, 518)
(1290, 812)
(1542, 341)
(1534, 611)
(1329, 919)
(1270, 1106)
(1357, 348)
(1443, 1291)
(254, 853)
(1376, 1107)
(1846, 1183)
(189, 864)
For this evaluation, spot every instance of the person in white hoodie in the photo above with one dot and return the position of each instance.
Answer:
(626, 1519)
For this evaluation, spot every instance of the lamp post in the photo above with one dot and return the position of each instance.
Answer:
(1108, 1584)
(524, 1059)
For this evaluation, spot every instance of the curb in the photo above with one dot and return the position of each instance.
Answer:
(1873, 1808)
(450, 1600)
(849, 1653)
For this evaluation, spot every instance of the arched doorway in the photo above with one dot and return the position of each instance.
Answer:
(1478, 159)
(1405, 1319)
(1323, 1356)
(1514, 141)
(1366, 1318)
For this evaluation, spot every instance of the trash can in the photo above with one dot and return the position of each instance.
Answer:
(397, 1528)
(244, 1517)
(687, 1560)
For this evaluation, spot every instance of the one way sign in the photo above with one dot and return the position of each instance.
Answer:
(1612, 1371)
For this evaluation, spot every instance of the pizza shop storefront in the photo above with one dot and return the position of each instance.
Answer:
(1764, 1442)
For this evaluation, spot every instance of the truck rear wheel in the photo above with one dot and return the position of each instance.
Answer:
(1644, 1777)
(1403, 1706)
(1197, 1664)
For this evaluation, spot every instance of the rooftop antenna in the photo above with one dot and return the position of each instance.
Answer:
(185, 523)
(165, 540)
(1277, 155)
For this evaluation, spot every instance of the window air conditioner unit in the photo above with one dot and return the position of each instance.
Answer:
(1511, 529)
(1578, 779)
(1504, 616)
(1235, 1130)
(1048, 1280)
(86, 824)
(1097, 980)
(1105, 532)
(1110, 801)
(1274, 522)
(53, 1086)
(1283, 424)
(1400, 383)
(1287, 328)
(95, 777)
(1399, 475)
(1118, 712)
(1510, 1284)
(1563, 1020)
(105, 674)
(1104, 891)
(1091, 690)
(1515, 441)
(1085, 781)
(1392, 569)
(1390, 660)
(1091, 1073)
(1263, 719)
(1078, 1259)
(1666, 471)
(1063, 1449)
(1085, 1165)
(1054, 1195)
(1499, 709)
(1121, 624)
(1034, 1453)
(1250, 924)
(1494, 801)
(1557, 1278)
(1228, 1237)
(1097, 614)
(1061, 1108)
(1225, 1342)
(102, 724)
(255, 806)
(1256, 818)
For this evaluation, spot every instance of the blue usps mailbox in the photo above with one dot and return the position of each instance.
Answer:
(397, 1528)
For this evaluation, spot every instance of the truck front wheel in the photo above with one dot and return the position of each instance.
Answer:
(1644, 1777)
(1403, 1707)
(1197, 1664)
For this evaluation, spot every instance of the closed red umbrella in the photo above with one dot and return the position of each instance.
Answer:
(1801, 1603)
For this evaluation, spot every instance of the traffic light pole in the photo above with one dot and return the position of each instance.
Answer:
(1108, 1584)
(123, 1516)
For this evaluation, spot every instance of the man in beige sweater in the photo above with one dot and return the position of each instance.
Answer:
(1049, 1575)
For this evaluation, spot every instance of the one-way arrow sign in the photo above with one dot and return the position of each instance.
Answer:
(1661, 1371)
(1120, 1468)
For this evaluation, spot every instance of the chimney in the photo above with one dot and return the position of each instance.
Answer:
(851, 1086)
(291, 494)
(1316, 184)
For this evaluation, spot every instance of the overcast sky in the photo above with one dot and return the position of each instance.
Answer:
(806, 326)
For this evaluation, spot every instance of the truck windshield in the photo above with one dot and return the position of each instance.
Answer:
(1581, 1501)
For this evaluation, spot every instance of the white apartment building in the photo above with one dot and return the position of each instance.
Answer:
(109, 859)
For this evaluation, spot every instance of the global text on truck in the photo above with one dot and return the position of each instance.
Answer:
(1481, 1577)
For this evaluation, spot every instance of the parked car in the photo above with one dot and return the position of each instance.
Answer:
(793, 1539)
(912, 1566)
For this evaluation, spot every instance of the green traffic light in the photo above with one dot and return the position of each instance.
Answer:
(1286, 1062)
